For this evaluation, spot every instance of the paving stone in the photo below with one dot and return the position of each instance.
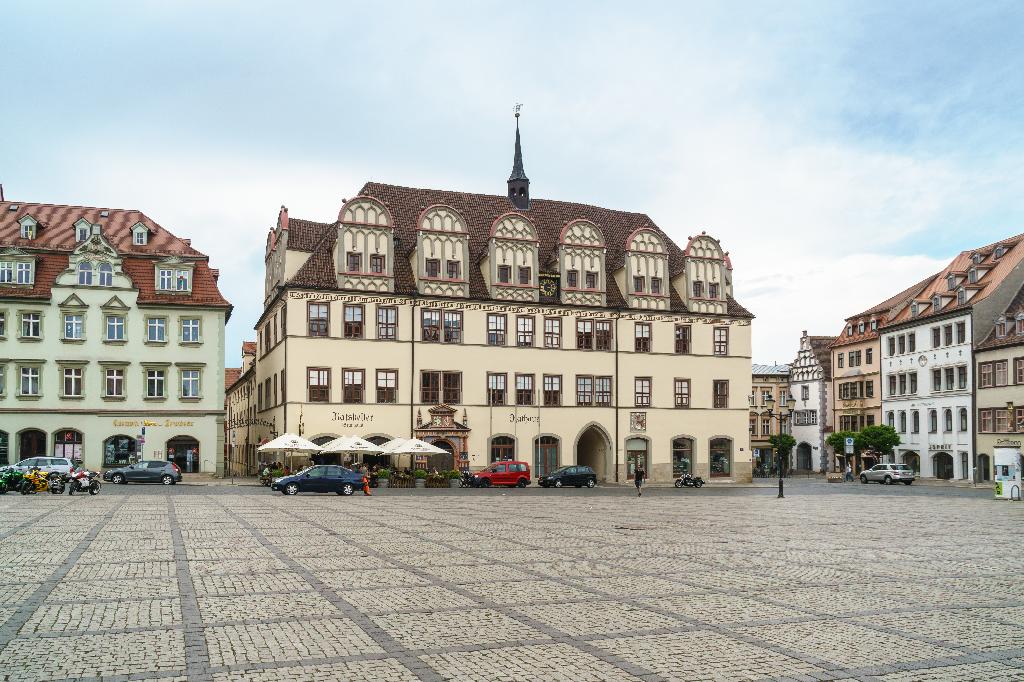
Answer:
(554, 663)
(100, 655)
(291, 641)
(70, 617)
(383, 670)
(597, 617)
(436, 630)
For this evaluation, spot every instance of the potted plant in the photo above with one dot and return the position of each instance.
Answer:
(454, 478)
(421, 478)
(383, 477)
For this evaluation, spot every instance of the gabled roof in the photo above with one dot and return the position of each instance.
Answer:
(769, 370)
(480, 211)
(231, 375)
(820, 346)
(883, 312)
(1012, 338)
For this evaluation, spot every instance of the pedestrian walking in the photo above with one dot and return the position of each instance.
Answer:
(849, 474)
(638, 478)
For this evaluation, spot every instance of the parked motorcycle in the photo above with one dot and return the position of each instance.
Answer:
(466, 480)
(688, 481)
(59, 483)
(83, 480)
(10, 479)
(35, 481)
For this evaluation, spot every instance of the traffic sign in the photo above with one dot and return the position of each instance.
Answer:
(849, 446)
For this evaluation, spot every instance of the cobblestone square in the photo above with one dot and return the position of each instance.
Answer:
(220, 583)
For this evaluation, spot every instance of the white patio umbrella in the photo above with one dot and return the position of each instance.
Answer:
(289, 444)
(350, 445)
(410, 446)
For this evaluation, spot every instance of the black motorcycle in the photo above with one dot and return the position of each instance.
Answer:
(686, 480)
(466, 480)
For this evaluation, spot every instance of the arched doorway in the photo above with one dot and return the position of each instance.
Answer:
(592, 449)
(68, 443)
(803, 457)
(5, 446)
(377, 460)
(964, 471)
(442, 461)
(942, 465)
(325, 457)
(720, 454)
(503, 448)
(638, 454)
(913, 460)
(184, 451)
(31, 443)
(545, 455)
(119, 450)
(682, 456)
(984, 468)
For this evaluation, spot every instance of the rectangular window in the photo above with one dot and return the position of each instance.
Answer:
(387, 385)
(913, 382)
(683, 339)
(1018, 370)
(190, 384)
(524, 331)
(24, 273)
(638, 284)
(387, 323)
(454, 269)
(377, 264)
(936, 337)
(73, 382)
(190, 330)
(115, 328)
(840, 359)
(73, 328)
(29, 381)
(912, 342)
(591, 279)
(166, 279)
(961, 377)
(552, 332)
(6, 272)
(156, 329)
(713, 290)
(525, 275)
(113, 383)
(961, 332)
(524, 389)
(903, 384)
(495, 330)
(936, 380)
(603, 391)
(642, 337)
(354, 261)
(985, 421)
(867, 356)
(433, 267)
(353, 321)
(721, 340)
(3, 324)
(451, 387)
(892, 345)
(452, 326)
(1002, 419)
(318, 314)
(352, 385)
(656, 285)
(985, 375)
(949, 378)
(603, 335)
(682, 392)
(430, 331)
(584, 390)
(947, 333)
(698, 289)
(496, 388)
(902, 343)
(869, 387)
(642, 391)
(430, 387)
(585, 334)
(1000, 369)
(155, 380)
(318, 384)
(504, 274)
(572, 279)
(720, 394)
(552, 390)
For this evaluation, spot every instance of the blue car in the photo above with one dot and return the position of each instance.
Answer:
(323, 478)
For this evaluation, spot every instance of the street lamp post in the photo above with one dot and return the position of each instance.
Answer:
(783, 416)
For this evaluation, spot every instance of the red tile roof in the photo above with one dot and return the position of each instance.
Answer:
(56, 239)
(231, 375)
(883, 312)
(1011, 338)
(248, 348)
(480, 211)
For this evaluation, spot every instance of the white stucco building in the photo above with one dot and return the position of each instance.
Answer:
(810, 380)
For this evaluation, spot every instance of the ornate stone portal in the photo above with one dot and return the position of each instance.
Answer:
(442, 430)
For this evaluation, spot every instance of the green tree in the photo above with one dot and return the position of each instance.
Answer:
(837, 441)
(783, 444)
(881, 439)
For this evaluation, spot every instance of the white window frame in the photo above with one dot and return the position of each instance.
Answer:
(150, 326)
(119, 378)
(185, 377)
(165, 279)
(38, 322)
(77, 377)
(27, 371)
(80, 327)
(6, 272)
(107, 325)
(186, 322)
(156, 376)
(26, 273)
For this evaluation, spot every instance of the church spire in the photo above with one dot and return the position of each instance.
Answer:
(518, 183)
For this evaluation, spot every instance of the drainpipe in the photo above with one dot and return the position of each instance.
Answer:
(412, 368)
(615, 445)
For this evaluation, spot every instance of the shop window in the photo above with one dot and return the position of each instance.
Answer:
(119, 450)
(68, 443)
(682, 456)
(721, 457)
(545, 455)
(503, 448)
(636, 456)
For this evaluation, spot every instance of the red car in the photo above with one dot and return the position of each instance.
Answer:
(512, 474)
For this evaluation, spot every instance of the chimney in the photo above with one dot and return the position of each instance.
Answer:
(216, 274)
(187, 242)
(1, 192)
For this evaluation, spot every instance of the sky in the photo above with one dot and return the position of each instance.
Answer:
(840, 151)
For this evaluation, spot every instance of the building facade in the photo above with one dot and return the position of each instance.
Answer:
(500, 326)
(240, 442)
(810, 379)
(111, 340)
(928, 366)
(769, 392)
(999, 397)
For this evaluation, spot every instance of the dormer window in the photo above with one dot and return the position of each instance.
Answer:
(81, 233)
(977, 258)
(165, 279)
(591, 280)
(28, 228)
(860, 328)
(433, 267)
(454, 269)
(377, 264)
(504, 274)
(874, 325)
(169, 279)
(951, 282)
(106, 275)
(354, 261)
(1020, 324)
(184, 280)
(913, 309)
(936, 302)
(85, 273)
(6, 272)
(1000, 250)
(1001, 327)
(139, 237)
(849, 330)
(572, 279)
(972, 276)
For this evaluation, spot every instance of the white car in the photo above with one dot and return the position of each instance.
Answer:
(60, 465)
(888, 473)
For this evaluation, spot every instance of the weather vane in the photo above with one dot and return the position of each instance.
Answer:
(517, 108)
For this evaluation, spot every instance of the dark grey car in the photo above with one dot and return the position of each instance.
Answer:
(150, 471)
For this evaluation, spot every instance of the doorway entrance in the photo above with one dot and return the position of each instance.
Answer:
(4, 449)
(119, 450)
(942, 465)
(68, 443)
(31, 443)
(912, 460)
(442, 461)
(592, 448)
(184, 451)
(721, 457)
(984, 468)
(325, 457)
(637, 455)
(682, 456)
(803, 457)
(545, 455)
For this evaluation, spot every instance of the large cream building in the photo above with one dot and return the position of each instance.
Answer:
(111, 340)
(504, 327)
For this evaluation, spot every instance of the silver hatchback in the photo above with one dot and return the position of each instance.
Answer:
(888, 473)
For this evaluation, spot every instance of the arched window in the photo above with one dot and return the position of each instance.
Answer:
(503, 448)
(933, 421)
(106, 275)
(545, 455)
(963, 419)
(947, 420)
(682, 456)
(721, 457)
(85, 273)
(890, 417)
(68, 443)
(916, 421)
(118, 450)
(903, 422)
